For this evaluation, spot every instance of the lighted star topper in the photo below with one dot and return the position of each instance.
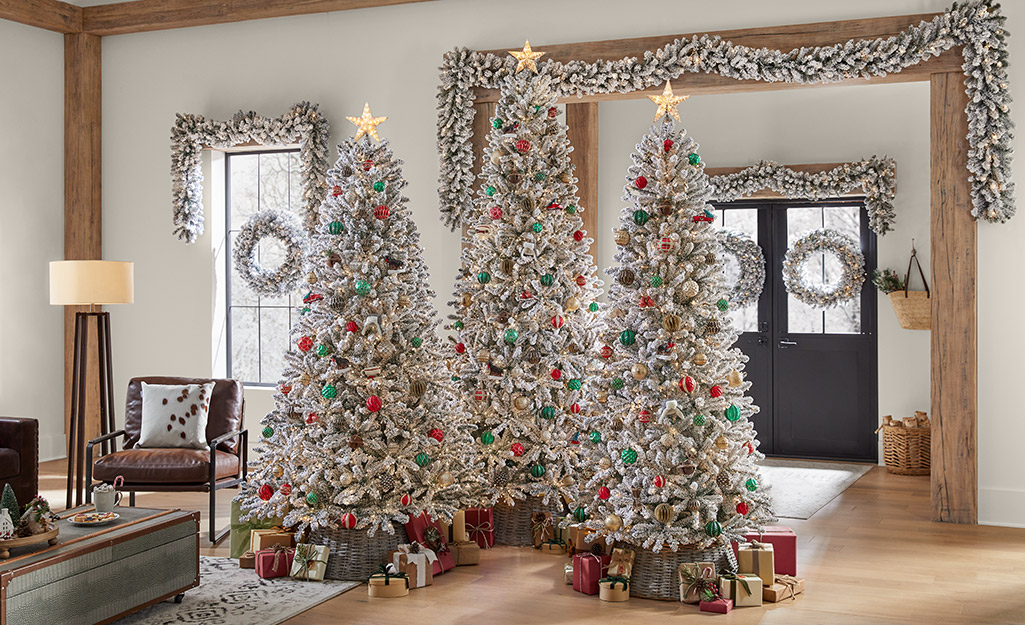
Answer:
(527, 58)
(667, 102)
(367, 124)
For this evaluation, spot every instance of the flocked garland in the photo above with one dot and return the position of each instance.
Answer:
(303, 124)
(751, 262)
(852, 263)
(878, 178)
(976, 25)
(284, 227)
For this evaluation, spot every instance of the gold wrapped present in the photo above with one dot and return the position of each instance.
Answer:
(622, 563)
(261, 539)
(614, 588)
(567, 572)
(785, 587)
(744, 589)
(388, 584)
(465, 552)
(247, 560)
(757, 559)
(578, 542)
(416, 562)
(695, 577)
(310, 562)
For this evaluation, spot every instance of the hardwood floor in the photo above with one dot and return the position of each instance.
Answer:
(869, 557)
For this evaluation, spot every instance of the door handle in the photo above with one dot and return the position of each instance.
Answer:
(787, 343)
(763, 340)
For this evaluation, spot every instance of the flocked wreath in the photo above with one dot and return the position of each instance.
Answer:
(279, 225)
(751, 262)
(852, 263)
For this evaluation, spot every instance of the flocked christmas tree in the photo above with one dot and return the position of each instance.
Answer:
(526, 316)
(362, 434)
(674, 452)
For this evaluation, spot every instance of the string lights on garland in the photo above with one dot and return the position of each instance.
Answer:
(279, 225)
(852, 263)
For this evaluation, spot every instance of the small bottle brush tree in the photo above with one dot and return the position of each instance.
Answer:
(525, 304)
(363, 435)
(674, 453)
(10, 501)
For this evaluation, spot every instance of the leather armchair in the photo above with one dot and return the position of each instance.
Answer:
(175, 469)
(19, 456)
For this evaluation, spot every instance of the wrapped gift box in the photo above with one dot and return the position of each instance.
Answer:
(757, 559)
(247, 560)
(239, 534)
(554, 546)
(480, 526)
(785, 587)
(743, 589)
(427, 532)
(465, 553)
(388, 585)
(691, 575)
(542, 528)
(719, 606)
(276, 562)
(264, 539)
(621, 563)
(579, 543)
(614, 589)
(310, 562)
(567, 572)
(588, 569)
(784, 547)
(418, 565)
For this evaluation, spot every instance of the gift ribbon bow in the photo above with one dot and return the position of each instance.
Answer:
(483, 528)
(383, 572)
(790, 582)
(280, 550)
(615, 580)
(734, 579)
(541, 524)
(700, 583)
(622, 562)
(433, 539)
(306, 555)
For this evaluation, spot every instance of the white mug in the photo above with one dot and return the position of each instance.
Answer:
(106, 499)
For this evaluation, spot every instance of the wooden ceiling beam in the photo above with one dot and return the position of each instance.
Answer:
(52, 15)
(148, 15)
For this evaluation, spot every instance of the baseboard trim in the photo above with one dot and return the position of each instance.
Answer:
(1002, 507)
(52, 447)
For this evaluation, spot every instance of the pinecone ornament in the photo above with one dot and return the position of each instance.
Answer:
(385, 482)
(502, 476)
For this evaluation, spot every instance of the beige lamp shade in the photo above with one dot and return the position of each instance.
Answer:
(83, 282)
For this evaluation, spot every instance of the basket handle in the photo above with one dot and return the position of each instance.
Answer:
(907, 276)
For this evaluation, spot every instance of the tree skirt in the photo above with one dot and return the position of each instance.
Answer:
(800, 488)
(228, 595)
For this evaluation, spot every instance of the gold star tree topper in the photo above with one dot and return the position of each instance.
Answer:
(367, 124)
(527, 58)
(667, 102)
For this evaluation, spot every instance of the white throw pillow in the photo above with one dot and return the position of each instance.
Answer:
(175, 415)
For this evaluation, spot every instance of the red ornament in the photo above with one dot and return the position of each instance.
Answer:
(715, 391)
(581, 280)
(523, 145)
(574, 408)
(646, 301)
(480, 394)
(557, 321)
(382, 212)
(436, 434)
(286, 389)
(265, 492)
(312, 297)
(495, 212)
(406, 499)
(553, 112)
(659, 481)
(604, 493)
(349, 521)
(305, 344)
(742, 508)
(526, 295)
(644, 416)
(666, 244)
(555, 206)
(373, 403)
(312, 418)
(336, 191)
(460, 348)
(749, 447)
(578, 235)
(351, 327)
(367, 164)
(687, 384)
(286, 489)
(517, 449)
(556, 374)
(669, 346)
(641, 182)
(667, 144)
(606, 351)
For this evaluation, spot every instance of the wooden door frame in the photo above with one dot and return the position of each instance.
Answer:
(954, 349)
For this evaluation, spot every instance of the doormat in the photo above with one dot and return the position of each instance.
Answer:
(229, 595)
(800, 488)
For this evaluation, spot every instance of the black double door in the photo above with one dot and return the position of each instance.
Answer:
(813, 371)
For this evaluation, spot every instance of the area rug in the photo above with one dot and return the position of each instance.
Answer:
(800, 488)
(228, 595)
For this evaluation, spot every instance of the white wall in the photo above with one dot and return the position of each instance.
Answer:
(390, 56)
(31, 229)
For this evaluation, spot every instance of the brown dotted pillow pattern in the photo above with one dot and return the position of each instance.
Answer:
(175, 415)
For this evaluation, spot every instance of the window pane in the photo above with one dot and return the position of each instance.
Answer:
(295, 184)
(243, 189)
(274, 181)
(273, 342)
(271, 255)
(744, 221)
(241, 294)
(245, 355)
(846, 219)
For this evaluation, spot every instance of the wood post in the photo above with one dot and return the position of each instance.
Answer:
(954, 341)
(582, 119)
(481, 130)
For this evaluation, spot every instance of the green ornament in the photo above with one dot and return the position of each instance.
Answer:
(268, 432)
(422, 459)
(496, 122)
(510, 336)
(538, 470)
(458, 325)
(627, 337)
(548, 412)
(335, 227)
(733, 413)
(595, 436)
(574, 384)
(378, 186)
(328, 392)
(323, 350)
(640, 217)
(417, 341)
(656, 281)
(628, 456)
(617, 383)
(537, 107)
(455, 378)
(593, 307)
(483, 277)
(699, 419)
(713, 529)
(487, 437)
(571, 210)
(362, 287)
(490, 191)
(723, 305)
(304, 310)
(312, 499)
(540, 176)
(580, 515)
(693, 159)
(547, 279)
(751, 484)
(537, 227)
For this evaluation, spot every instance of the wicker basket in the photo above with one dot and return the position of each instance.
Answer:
(513, 524)
(913, 309)
(907, 451)
(654, 575)
(355, 555)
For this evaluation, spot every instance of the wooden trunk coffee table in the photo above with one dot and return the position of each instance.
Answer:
(100, 574)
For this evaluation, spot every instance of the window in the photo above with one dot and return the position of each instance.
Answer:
(743, 221)
(258, 326)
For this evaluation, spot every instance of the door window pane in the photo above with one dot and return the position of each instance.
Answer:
(744, 221)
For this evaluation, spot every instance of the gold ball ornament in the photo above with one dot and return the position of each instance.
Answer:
(304, 379)
(626, 276)
(622, 237)
(520, 402)
(700, 359)
(417, 388)
(604, 462)
(690, 288)
(613, 522)
(710, 258)
(496, 157)
(507, 266)
(278, 471)
(734, 379)
(345, 477)
(722, 443)
(567, 480)
(693, 506)
(639, 371)
(665, 513)
(670, 323)
(571, 304)
(311, 278)
(467, 299)
(446, 479)
(533, 356)
(483, 356)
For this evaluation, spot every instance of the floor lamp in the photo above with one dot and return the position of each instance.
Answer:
(89, 283)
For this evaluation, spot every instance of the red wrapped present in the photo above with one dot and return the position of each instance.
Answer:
(480, 526)
(428, 533)
(588, 569)
(275, 562)
(784, 547)
(719, 606)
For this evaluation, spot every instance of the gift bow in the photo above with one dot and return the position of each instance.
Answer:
(614, 579)
(734, 579)
(484, 528)
(433, 539)
(280, 550)
(622, 562)
(700, 583)
(541, 523)
(383, 572)
(790, 582)
(755, 560)
(419, 550)
(306, 555)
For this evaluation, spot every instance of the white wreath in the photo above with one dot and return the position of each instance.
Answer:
(852, 262)
(751, 261)
(284, 227)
